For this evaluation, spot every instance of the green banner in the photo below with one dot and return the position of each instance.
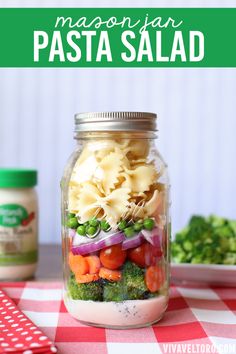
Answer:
(117, 37)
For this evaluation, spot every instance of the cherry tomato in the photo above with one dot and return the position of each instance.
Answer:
(145, 255)
(154, 278)
(112, 257)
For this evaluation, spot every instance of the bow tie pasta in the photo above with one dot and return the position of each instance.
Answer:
(140, 178)
(114, 180)
(91, 202)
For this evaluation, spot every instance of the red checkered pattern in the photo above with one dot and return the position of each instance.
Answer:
(196, 315)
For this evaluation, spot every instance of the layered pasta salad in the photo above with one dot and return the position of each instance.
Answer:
(117, 222)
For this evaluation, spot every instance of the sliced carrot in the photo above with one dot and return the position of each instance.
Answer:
(86, 278)
(78, 264)
(154, 278)
(113, 275)
(94, 264)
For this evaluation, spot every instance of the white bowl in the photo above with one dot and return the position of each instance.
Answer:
(211, 274)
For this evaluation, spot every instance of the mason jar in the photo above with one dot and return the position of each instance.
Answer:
(115, 222)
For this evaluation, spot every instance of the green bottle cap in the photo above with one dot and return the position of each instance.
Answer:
(17, 178)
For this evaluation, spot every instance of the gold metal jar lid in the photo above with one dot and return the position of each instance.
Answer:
(115, 121)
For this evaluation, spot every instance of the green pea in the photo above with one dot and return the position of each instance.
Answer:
(149, 224)
(91, 230)
(138, 226)
(104, 225)
(129, 231)
(94, 222)
(72, 223)
(122, 225)
(71, 215)
(81, 230)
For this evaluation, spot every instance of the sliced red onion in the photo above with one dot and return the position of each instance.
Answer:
(81, 240)
(72, 232)
(132, 242)
(115, 239)
(87, 248)
(154, 237)
(97, 244)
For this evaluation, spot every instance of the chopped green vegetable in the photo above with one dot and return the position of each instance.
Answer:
(72, 223)
(71, 215)
(232, 244)
(122, 225)
(81, 230)
(230, 258)
(209, 240)
(216, 221)
(89, 291)
(149, 224)
(104, 225)
(232, 224)
(187, 245)
(129, 231)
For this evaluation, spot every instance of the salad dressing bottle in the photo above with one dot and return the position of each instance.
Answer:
(18, 224)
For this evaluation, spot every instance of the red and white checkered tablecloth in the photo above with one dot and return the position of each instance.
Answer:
(198, 320)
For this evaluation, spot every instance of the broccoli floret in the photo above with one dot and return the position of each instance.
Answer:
(131, 271)
(114, 291)
(197, 220)
(198, 229)
(131, 286)
(133, 280)
(89, 291)
(198, 224)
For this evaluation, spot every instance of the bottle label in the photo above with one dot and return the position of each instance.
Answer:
(18, 235)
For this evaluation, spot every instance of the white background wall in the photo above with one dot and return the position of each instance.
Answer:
(197, 123)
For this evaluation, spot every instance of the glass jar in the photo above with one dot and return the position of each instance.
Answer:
(115, 222)
(18, 224)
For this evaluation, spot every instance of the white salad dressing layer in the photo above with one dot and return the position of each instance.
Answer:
(118, 314)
